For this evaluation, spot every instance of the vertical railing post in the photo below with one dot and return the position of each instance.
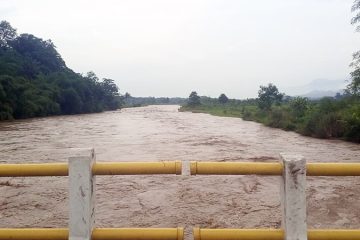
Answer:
(293, 197)
(81, 196)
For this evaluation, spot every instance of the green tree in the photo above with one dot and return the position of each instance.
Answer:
(223, 98)
(194, 99)
(111, 94)
(356, 19)
(299, 106)
(354, 86)
(268, 95)
(7, 33)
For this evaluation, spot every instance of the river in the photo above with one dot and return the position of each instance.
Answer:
(156, 133)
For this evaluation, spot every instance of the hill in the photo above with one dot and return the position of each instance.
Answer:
(35, 81)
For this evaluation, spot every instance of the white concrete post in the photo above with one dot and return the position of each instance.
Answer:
(81, 195)
(293, 197)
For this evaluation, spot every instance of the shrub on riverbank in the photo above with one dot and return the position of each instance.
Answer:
(324, 118)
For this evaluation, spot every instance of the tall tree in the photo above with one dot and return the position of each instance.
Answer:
(356, 19)
(223, 98)
(7, 33)
(268, 95)
(354, 86)
(194, 99)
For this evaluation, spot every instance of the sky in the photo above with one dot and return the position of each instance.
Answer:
(172, 47)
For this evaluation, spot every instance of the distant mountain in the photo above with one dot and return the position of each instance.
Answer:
(317, 87)
(316, 94)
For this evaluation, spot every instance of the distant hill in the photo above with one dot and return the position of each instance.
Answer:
(317, 94)
(35, 81)
(317, 88)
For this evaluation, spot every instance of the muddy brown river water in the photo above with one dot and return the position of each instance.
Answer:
(156, 133)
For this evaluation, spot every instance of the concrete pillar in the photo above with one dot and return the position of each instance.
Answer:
(293, 197)
(81, 195)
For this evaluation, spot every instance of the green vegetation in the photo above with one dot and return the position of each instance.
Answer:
(35, 81)
(324, 118)
(223, 98)
(354, 86)
(194, 99)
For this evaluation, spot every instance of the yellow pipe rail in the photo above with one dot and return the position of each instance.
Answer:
(138, 234)
(133, 168)
(258, 168)
(97, 234)
(272, 234)
(33, 169)
(105, 168)
(333, 169)
(235, 168)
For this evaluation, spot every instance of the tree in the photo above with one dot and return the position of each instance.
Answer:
(268, 95)
(194, 99)
(111, 94)
(354, 86)
(356, 19)
(7, 33)
(42, 53)
(223, 98)
(299, 105)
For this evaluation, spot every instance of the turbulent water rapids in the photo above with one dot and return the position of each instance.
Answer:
(156, 133)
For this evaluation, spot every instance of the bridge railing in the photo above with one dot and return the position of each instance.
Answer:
(293, 170)
(83, 168)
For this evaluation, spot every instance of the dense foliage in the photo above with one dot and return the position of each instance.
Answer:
(223, 98)
(194, 99)
(354, 86)
(35, 81)
(337, 117)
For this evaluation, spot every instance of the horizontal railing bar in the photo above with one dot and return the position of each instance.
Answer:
(333, 169)
(97, 234)
(174, 167)
(235, 168)
(258, 168)
(99, 168)
(273, 234)
(34, 169)
(131, 168)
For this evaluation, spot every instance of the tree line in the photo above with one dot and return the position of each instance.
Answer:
(35, 81)
(329, 117)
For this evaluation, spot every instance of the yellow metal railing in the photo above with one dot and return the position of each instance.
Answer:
(174, 167)
(273, 234)
(97, 234)
(104, 168)
(257, 168)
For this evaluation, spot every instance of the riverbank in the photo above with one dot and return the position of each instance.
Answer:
(327, 118)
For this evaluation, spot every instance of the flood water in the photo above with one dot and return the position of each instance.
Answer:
(157, 133)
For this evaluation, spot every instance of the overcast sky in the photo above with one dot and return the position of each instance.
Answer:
(169, 48)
